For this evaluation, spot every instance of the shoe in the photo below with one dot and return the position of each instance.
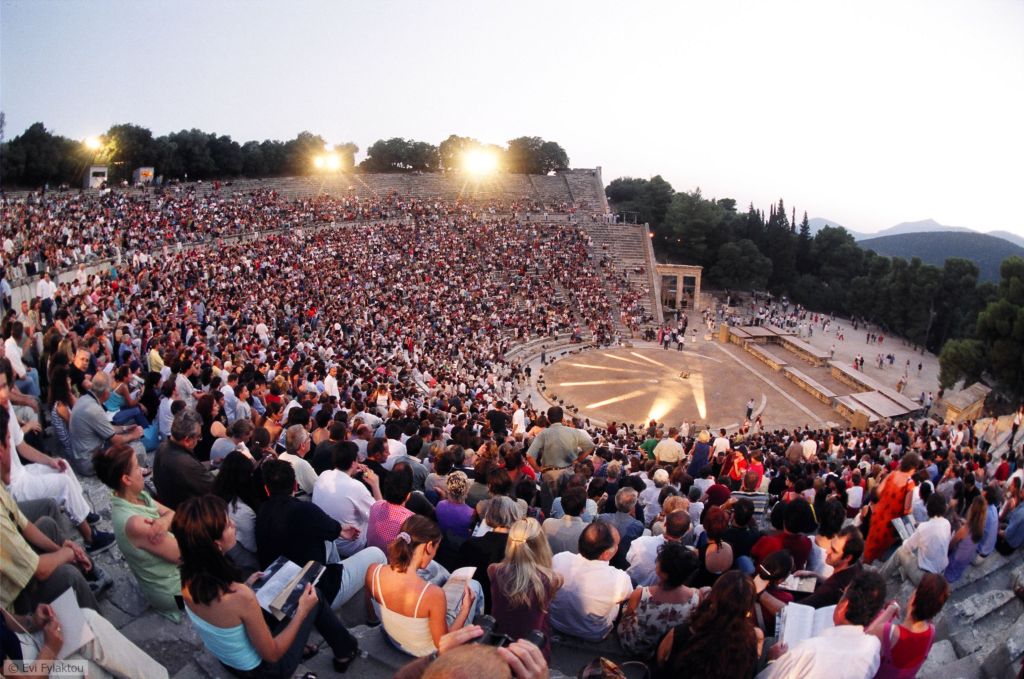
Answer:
(341, 665)
(99, 581)
(92, 519)
(101, 542)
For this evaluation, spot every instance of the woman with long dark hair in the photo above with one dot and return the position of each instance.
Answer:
(720, 640)
(225, 612)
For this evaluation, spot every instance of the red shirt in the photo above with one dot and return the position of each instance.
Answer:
(799, 547)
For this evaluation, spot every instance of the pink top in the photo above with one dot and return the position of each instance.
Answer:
(903, 651)
(385, 523)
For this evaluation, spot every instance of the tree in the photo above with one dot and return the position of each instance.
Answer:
(533, 155)
(300, 152)
(741, 266)
(192, 151)
(1001, 327)
(400, 155)
(961, 359)
(803, 246)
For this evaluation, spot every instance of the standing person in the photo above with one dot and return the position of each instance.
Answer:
(905, 646)
(895, 498)
(524, 583)
(556, 449)
(225, 611)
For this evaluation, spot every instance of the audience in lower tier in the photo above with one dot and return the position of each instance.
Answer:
(410, 447)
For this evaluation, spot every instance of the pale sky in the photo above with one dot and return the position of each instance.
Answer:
(866, 113)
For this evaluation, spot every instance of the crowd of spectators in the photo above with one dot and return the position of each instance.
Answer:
(342, 396)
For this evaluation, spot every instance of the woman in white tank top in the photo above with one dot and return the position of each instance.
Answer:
(413, 612)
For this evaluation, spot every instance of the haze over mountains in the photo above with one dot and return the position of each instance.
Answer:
(934, 243)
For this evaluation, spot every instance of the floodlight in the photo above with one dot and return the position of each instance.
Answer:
(332, 161)
(318, 162)
(93, 143)
(479, 161)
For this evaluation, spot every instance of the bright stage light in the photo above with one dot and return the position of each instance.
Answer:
(479, 161)
(318, 162)
(93, 143)
(332, 161)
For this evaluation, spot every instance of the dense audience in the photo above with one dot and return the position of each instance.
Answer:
(341, 396)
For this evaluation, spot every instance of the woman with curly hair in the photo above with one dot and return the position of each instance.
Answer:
(720, 640)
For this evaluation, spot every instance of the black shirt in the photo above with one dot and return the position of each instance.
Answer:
(482, 552)
(178, 476)
(286, 526)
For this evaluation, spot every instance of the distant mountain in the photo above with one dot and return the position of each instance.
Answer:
(819, 223)
(934, 247)
(923, 226)
(1012, 237)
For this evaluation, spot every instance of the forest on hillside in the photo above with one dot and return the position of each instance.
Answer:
(976, 327)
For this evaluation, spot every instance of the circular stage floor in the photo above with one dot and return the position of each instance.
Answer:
(702, 383)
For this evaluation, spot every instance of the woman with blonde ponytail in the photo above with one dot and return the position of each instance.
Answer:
(523, 584)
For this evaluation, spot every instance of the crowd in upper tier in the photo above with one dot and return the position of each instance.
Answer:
(341, 395)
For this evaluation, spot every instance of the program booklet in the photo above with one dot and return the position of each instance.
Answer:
(904, 526)
(282, 584)
(805, 585)
(74, 627)
(798, 622)
(456, 583)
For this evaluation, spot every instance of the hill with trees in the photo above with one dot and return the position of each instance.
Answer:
(988, 252)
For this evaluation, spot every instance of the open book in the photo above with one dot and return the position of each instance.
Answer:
(282, 584)
(73, 626)
(904, 526)
(798, 622)
(795, 584)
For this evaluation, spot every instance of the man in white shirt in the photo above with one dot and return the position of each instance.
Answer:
(721, 443)
(669, 450)
(345, 499)
(518, 419)
(643, 553)
(845, 651)
(45, 290)
(927, 549)
(331, 383)
(588, 602)
(26, 378)
(810, 448)
(296, 443)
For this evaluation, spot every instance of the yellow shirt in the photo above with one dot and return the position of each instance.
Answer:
(156, 362)
(18, 561)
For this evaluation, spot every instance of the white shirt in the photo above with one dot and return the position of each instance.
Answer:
(13, 353)
(588, 601)
(396, 450)
(331, 386)
(46, 289)
(668, 450)
(720, 445)
(810, 447)
(642, 554)
(931, 541)
(854, 497)
(343, 498)
(304, 474)
(519, 422)
(841, 652)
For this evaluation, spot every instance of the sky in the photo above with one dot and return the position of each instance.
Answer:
(866, 113)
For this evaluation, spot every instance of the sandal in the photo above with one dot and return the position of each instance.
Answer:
(309, 650)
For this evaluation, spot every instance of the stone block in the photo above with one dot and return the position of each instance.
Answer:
(942, 653)
(964, 668)
(979, 605)
(172, 645)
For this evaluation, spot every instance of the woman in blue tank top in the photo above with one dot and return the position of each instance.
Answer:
(225, 611)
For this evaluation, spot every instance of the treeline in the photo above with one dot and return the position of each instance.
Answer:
(827, 271)
(38, 156)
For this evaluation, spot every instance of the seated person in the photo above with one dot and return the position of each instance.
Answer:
(624, 520)
(35, 568)
(178, 475)
(454, 517)
(927, 550)
(388, 513)
(489, 548)
(225, 611)
(108, 652)
(797, 518)
(588, 602)
(564, 532)
(142, 528)
(523, 584)
(344, 497)
(642, 556)
(905, 645)
(742, 534)
(845, 651)
(458, 659)
(241, 486)
(652, 610)
(415, 613)
(302, 532)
